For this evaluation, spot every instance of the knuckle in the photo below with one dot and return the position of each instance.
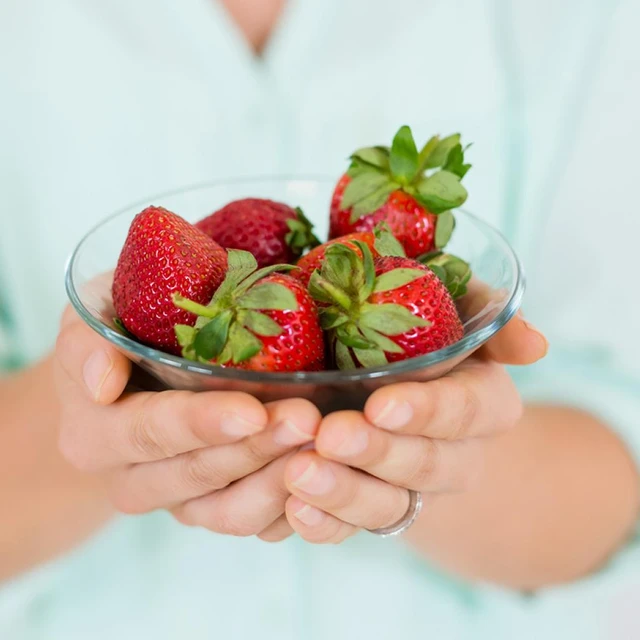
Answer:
(197, 471)
(467, 409)
(422, 469)
(144, 438)
(141, 438)
(255, 453)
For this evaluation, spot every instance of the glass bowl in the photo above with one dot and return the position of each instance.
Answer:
(493, 299)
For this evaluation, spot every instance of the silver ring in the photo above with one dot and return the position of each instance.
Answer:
(415, 507)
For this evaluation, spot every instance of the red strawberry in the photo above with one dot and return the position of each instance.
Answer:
(379, 241)
(273, 232)
(382, 310)
(162, 255)
(257, 320)
(411, 192)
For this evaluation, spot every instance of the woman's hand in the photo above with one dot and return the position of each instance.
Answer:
(430, 437)
(214, 459)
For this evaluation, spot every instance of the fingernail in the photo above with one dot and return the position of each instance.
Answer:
(287, 433)
(309, 515)
(354, 445)
(540, 335)
(316, 480)
(96, 370)
(236, 426)
(394, 415)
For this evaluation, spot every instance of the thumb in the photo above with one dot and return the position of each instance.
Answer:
(89, 361)
(517, 343)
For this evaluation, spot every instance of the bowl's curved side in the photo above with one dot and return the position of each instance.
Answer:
(88, 284)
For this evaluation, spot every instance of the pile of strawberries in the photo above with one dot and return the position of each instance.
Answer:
(237, 288)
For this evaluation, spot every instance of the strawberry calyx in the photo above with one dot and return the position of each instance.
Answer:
(300, 235)
(386, 244)
(454, 272)
(358, 329)
(228, 329)
(432, 175)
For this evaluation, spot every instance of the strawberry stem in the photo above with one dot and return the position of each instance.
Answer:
(321, 289)
(193, 307)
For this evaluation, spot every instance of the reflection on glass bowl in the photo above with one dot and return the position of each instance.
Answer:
(494, 297)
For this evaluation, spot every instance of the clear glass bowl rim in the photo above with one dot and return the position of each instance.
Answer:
(467, 344)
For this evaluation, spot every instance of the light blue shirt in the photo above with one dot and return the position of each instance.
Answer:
(104, 103)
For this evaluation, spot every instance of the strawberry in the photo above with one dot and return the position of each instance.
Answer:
(273, 232)
(163, 254)
(384, 309)
(413, 192)
(380, 241)
(257, 319)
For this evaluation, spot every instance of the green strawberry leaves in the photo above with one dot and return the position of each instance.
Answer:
(212, 338)
(227, 329)
(439, 151)
(444, 229)
(396, 278)
(270, 295)
(370, 358)
(386, 244)
(300, 236)
(358, 328)
(455, 161)
(374, 156)
(390, 319)
(367, 192)
(432, 175)
(403, 160)
(260, 323)
(440, 192)
(454, 272)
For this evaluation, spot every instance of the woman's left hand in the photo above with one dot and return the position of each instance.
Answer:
(430, 437)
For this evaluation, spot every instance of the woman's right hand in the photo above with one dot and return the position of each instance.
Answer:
(214, 459)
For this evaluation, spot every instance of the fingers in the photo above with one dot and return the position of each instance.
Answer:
(166, 483)
(317, 526)
(277, 531)
(347, 494)
(143, 427)
(246, 508)
(413, 462)
(518, 343)
(89, 361)
(478, 398)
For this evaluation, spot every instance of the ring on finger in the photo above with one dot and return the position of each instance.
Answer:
(396, 529)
